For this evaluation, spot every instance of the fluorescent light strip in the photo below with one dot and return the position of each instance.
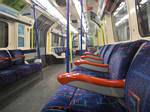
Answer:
(78, 8)
(55, 13)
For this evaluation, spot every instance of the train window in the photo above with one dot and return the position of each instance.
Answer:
(3, 34)
(120, 23)
(21, 35)
(41, 38)
(55, 40)
(62, 42)
(143, 16)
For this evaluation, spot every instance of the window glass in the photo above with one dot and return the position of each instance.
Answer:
(3, 34)
(143, 16)
(120, 23)
(62, 42)
(41, 38)
(55, 40)
(21, 35)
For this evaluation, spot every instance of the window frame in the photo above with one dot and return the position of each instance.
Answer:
(114, 9)
(138, 24)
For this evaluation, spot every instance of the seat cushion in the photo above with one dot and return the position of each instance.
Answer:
(23, 70)
(85, 101)
(82, 70)
(69, 99)
(61, 100)
(7, 76)
(36, 67)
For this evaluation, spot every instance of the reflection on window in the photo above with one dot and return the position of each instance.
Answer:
(3, 34)
(62, 42)
(41, 38)
(21, 35)
(143, 15)
(120, 23)
(55, 40)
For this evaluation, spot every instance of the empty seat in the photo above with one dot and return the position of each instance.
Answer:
(22, 69)
(122, 55)
(136, 92)
(13, 67)
(7, 75)
(60, 100)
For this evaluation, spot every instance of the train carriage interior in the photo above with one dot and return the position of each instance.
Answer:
(74, 55)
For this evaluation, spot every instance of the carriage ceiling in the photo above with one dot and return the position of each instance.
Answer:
(89, 5)
(60, 6)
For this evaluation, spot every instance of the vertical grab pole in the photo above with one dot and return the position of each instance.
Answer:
(81, 2)
(71, 60)
(86, 42)
(36, 33)
(103, 37)
(67, 34)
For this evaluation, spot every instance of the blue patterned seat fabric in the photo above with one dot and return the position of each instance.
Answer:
(104, 50)
(61, 100)
(137, 91)
(106, 60)
(21, 68)
(85, 101)
(81, 70)
(7, 75)
(12, 67)
(109, 52)
(120, 60)
(100, 50)
(60, 50)
(70, 99)
(122, 54)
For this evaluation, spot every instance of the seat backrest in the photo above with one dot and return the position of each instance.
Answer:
(17, 56)
(137, 87)
(100, 49)
(109, 52)
(103, 51)
(5, 61)
(121, 59)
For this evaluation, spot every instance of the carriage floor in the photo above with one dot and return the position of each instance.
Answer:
(33, 97)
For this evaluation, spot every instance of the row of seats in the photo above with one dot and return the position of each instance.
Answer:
(117, 57)
(59, 50)
(127, 63)
(14, 68)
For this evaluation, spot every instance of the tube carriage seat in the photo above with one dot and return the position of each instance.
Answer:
(135, 96)
(119, 62)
